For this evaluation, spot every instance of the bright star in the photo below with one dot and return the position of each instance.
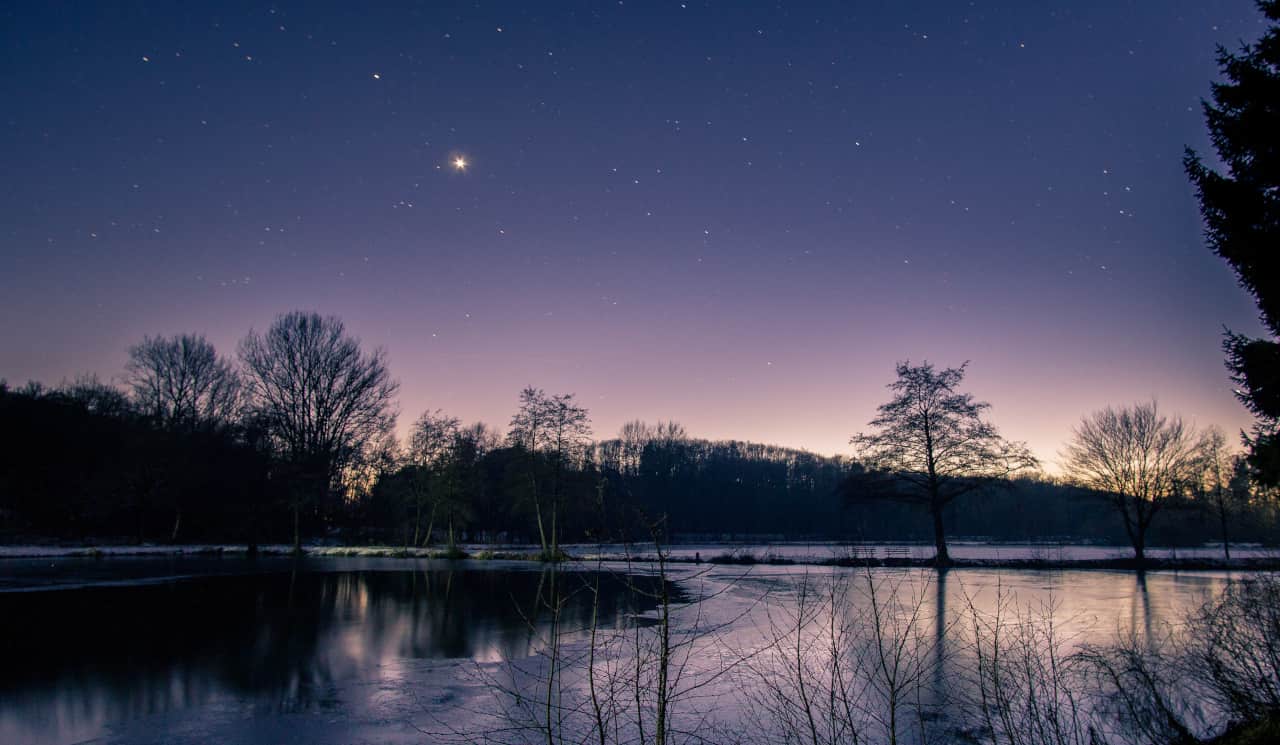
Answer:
(459, 163)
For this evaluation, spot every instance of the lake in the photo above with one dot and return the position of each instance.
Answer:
(396, 650)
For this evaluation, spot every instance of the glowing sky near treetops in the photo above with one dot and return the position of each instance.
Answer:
(735, 215)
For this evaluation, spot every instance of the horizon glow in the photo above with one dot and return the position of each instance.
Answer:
(737, 221)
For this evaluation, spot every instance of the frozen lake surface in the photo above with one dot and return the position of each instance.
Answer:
(800, 551)
(345, 650)
(820, 551)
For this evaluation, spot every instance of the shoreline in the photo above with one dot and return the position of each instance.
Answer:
(736, 556)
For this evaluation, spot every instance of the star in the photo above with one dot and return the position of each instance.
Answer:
(459, 163)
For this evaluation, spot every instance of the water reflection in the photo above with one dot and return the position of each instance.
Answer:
(284, 640)
(934, 625)
(1140, 606)
(331, 639)
(940, 634)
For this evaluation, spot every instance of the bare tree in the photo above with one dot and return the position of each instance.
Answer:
(931, 445)
(665, 448)
(1217, 468)
(528, 432)
(182, 385)
(569, 430)
(632, 439)
(555, 427)
(97, 397)
(460, 478)
(381, 459)
(321, 398)
(444, 456)
(430, 446)
(486, 439)
(181, 382)
(1136, 456)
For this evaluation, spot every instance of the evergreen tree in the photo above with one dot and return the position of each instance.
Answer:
(1241, 211)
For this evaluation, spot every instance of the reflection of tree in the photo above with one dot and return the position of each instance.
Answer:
(940, 627)
(281, 639)
(1140, 606)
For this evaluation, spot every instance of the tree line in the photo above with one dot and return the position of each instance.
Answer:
(298, 437)
(932, 444)
(295, 439)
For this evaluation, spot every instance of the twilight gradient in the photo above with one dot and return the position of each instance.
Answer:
(735, 215)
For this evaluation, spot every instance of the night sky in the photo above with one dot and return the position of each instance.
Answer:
(735, 215)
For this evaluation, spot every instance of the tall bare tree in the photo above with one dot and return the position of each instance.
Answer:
(322, 399)
(1139, 458)
(556, 428)
(461, 478)
(1216, 472)
(931, 445)
(633, 437)
(528, 432)
(569, 430)
(182, 385)
(182, 382)
(430, 447)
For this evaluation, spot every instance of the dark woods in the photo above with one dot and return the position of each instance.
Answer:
(297, 442)
(83, 461)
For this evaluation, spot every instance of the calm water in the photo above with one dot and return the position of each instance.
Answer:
(92, 646)
(366, 650)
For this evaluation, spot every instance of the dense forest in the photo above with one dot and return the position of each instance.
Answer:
(87, 461)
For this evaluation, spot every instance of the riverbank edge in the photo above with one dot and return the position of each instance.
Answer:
(738, 558)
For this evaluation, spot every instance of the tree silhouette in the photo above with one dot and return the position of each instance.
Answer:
(182, 383)
(1241, 211)
(430, 448)
(322, 400)
(182, 386)
(1140, 459)
(1217, 468)
(557, 429)
(462, 477)
(931, 445)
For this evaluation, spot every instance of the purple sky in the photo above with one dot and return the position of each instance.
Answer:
(736, 216)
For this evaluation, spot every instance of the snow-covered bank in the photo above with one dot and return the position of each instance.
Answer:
(965, 553)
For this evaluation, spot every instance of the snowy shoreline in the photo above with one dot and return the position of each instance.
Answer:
(983, 555)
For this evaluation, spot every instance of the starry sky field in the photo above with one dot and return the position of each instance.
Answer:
(735, 215)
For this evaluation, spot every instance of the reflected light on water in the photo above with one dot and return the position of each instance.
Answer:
(278, 641)
(344, 635)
